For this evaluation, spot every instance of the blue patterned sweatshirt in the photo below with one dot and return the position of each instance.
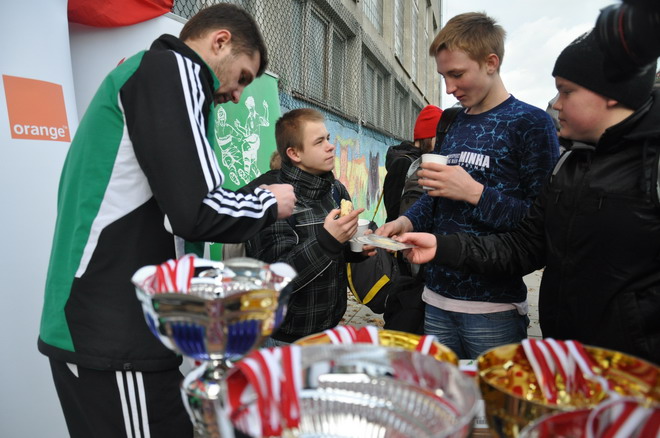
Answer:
(510, 149)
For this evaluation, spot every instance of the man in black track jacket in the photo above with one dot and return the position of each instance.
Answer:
(596, 224)
(141, 178)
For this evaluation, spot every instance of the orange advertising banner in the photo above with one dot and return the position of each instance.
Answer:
(36, 109)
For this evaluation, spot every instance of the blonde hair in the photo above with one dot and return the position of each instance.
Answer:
(475, 33)
(289, 130)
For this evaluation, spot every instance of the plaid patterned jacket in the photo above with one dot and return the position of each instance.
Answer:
(319, 298)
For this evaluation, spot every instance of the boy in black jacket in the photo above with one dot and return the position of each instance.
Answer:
(314, 241)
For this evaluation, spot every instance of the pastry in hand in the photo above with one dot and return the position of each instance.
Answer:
(346, 207)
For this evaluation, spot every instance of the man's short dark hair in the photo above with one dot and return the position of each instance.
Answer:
(246, 36)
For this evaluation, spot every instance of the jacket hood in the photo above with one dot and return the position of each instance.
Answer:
(642, 124)
(400, 150)
(649, 125)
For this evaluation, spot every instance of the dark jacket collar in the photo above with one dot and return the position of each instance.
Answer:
(405, 148)
(170, 42)
(305, 184)
(642, 124)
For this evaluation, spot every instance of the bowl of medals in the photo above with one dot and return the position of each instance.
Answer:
(349, 391)
(620, 417)
(522, 382)
(386, 338)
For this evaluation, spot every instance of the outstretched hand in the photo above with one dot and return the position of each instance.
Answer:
(398, 226)
(425, 251)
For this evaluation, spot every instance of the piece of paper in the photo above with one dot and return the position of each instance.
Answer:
(383, 242)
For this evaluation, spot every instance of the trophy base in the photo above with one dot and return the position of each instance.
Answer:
(203, 392)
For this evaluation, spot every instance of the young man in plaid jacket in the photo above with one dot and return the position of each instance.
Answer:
(314, 241)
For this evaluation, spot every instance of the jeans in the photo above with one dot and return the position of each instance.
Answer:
(469, 335)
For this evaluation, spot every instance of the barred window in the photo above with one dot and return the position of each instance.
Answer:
(373, 9)
(374, 93)
(401, 120)
(320, 57)
(398, 29)
(295, 44)
(415, 46)
(317, 59)
(416, 109)
(369, 92)
(428, 82)
(431, 91)
(337, 70)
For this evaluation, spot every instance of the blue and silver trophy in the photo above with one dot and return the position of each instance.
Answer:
(226, 310)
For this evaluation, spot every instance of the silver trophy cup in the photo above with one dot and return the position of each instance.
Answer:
(372, 391)
(228, 310)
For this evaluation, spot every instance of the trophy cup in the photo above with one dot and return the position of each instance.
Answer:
(514, 395)
(215, 312)
(352, 391)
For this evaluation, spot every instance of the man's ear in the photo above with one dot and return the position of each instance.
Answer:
(220, 39)
(492, 63)
(293, 155)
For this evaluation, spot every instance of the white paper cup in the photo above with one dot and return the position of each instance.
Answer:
(433, 158)
(363, 225)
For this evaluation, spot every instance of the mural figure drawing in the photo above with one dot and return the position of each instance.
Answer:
(251, 140)
(239, 143)
(229, 153)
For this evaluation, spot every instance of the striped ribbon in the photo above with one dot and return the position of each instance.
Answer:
(369, 335)
(342, 335)
(616, 417)
(623, 418)
(171, 276)
(273, 376)
(568, 359)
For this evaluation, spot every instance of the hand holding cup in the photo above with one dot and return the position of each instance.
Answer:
(433, 158)
(363, 226)
(451, 182)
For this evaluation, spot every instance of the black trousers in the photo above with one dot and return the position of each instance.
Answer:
(116, 404)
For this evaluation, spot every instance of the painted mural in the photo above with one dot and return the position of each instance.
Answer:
(244, 138)
(360, 166)
(360, 162)
(239, 142)
(244, 133)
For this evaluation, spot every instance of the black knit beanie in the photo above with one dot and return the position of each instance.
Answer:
(582, 62)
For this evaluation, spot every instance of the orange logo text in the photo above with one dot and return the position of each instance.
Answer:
(36, 109)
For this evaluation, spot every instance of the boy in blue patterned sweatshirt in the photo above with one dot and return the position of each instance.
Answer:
(500, 150)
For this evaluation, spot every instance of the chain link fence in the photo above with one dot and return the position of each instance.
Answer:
(323, 58)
